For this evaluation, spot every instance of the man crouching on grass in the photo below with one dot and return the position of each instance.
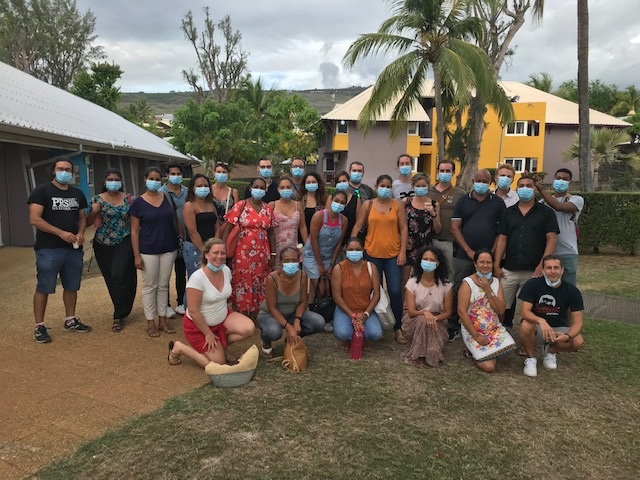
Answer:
(551, 315)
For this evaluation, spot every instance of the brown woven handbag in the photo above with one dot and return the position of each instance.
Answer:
(295, 356)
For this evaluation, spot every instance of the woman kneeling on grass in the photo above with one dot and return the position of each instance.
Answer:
(285, 306)
(209, 325)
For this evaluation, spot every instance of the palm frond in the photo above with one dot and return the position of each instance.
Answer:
(410, 97)
(375, 43)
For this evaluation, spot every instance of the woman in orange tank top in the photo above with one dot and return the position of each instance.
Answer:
(385, 243)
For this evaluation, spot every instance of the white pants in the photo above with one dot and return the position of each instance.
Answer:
(155, 283)
(512, 283)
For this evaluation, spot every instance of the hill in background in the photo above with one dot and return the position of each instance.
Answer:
(320, 99)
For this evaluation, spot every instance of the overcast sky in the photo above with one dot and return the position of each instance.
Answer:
(299, 44)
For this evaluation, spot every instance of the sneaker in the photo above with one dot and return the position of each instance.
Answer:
(328, 327)
(530, 367)
(550, 361)
(180, 309)
(76, 326)
(453, 334)
(170, 312)
(41, 334)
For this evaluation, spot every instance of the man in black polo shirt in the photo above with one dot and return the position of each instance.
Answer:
(265, 170)
(551, 315)
(474, 225)
(527, 232)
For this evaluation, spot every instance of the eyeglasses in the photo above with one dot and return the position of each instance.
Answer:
(222, 164)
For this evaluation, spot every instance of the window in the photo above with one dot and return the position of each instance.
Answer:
(412, 128)
(328, 178)
(342, 127)
(517, 163)
(330, 164)
(531, 165)
(521, 165)
(533, 128)
(517, 128)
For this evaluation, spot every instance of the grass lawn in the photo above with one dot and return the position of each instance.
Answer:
(617, 275)
(378, 418)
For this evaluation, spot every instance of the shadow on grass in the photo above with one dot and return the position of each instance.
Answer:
(378, 418)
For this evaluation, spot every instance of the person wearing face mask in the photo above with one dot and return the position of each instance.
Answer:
(474, 224)
(527, 232)
(313, 197)
(112, 245)
(353, 202)
(552, 316)
(568, 208)
(265, 171)
(285, 306)
(256, 248)
(201, 222)
(57, 212)
(297, 172)
(154, 240)
(480, 302)
(224, 196)
(503, 178)
(402, 185)
(209, 325)
(289, 219)
(385, 243)
(429, 300)
(356, 187)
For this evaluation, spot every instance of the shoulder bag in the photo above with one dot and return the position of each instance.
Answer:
(232, 238)
(324, 306)
(382, 308)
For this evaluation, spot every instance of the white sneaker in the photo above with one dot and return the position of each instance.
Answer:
(180, 309)
(530, 367)
(550, 361)
(170, 312)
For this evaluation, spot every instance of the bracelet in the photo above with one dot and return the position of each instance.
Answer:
(366, 313)
(297, 318)
(273, 254)
(570, 337)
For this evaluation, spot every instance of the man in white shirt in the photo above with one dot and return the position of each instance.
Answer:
(504, 176)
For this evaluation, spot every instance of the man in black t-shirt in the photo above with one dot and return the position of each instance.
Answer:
(551, 314)
(265, 170)
(57, 211)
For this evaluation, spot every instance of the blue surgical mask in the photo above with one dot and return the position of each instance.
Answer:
(356, 177)
(266, 172)
(445, 177)
(222, 177)
(297, 172)
(428, 265)
(63, 178)
(552, 284)
(290, 268)
(175, 179)
(504, 183)
(337, 207)
(287, 193)
(258, 193)
(354, 255)
(421, 191)
(153, 185)
(113, 186)
(384, 192)
(311, 187)
(213, 268)
(202, 192)
(560, 186)
(525, 193)
(481, 188)
(405, 170)
(483, 275)
(342, 186)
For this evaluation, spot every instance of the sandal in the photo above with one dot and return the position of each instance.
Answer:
(166, 328)
(117, 325)
(266, 352)
(153, 332)
(170, 358)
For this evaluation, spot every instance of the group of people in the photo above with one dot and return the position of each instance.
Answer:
(452, 261)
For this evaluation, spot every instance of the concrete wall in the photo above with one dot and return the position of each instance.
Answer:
(558, 138)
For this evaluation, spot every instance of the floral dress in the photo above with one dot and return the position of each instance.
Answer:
(286, 232)
(420, 226)
(251, 261)
(116, 225)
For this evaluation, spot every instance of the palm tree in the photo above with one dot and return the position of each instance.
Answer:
(428, 35)
(604, 148)
(585, 163)
(543, 81)
(628, 102)
(257, 96)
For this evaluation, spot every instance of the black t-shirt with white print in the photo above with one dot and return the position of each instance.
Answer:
(60, 210)
(552, 304)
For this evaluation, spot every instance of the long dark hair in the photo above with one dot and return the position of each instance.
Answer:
(441, 272)
(191, 191)
(321, 194)
(111, 171)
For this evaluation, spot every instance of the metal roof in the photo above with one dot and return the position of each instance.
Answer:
(34, 109)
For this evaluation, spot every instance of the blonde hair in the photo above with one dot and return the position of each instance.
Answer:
(207, 246)
(508, 166)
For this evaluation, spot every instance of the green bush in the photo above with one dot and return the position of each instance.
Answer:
(610, 219)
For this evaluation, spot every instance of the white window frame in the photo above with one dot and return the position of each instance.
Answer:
(346, 125)
(528, 162)
(512, 161)
(519, 129)
(413, 129)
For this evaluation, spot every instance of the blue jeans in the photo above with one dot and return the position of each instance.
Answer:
(343, 328)
(393, 276)
(191, 256)
(271, 331)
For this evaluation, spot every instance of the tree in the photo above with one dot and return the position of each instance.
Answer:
(254, 93)
(604, 148)
(568, 90)
(602, 96)
(140, 112)
(585, 163)
(628, 102)
(428, 34)
(222, 67)
(634, 129)
(543, 81)
(49, 39)
(98, 85)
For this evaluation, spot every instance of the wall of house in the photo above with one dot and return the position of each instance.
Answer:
(558, 139)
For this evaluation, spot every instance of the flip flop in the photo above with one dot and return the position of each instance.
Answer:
(153, 332)
(117, 325)
(174, 361)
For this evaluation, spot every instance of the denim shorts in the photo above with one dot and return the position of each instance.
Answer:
(66, 262)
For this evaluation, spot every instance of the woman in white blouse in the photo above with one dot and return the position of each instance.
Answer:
(209, 323)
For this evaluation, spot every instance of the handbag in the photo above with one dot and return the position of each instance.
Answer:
(324, 306)
(232, 239)
(362, 233)
(295, 357)
(382, 308)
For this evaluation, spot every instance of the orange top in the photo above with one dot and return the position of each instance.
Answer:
(383, 233)
(356, 289)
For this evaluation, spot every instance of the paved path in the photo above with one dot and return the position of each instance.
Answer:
(56, 396)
